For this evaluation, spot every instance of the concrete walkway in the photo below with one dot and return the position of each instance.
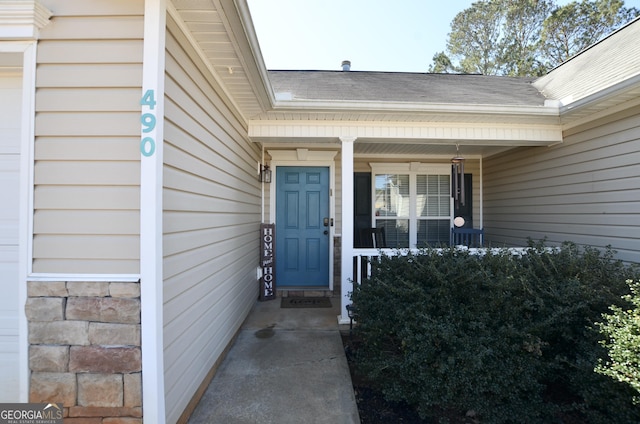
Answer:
(286, 366)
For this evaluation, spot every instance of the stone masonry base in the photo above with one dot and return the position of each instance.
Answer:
(84, 350)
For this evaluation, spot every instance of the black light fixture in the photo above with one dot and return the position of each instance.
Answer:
(265, 174)
(457, 177)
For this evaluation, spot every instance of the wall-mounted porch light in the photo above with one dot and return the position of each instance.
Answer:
(457, 177)
(265, 174)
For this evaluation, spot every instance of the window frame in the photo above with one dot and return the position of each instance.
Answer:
(413, 169)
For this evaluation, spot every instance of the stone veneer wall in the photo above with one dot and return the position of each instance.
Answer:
(84, 350)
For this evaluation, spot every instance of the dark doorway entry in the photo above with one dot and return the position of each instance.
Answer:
(361, 208)
(466, 210)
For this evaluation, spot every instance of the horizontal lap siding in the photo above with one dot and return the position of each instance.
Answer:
(586, 190)
(87, 129)
(211, 220)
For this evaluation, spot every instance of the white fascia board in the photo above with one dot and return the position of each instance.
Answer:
(481, 133)
(602, 95)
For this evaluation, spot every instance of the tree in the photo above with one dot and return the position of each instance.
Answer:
(474, 38)
(575, 26)
(441, 64)
(526, 37)
(523, 24)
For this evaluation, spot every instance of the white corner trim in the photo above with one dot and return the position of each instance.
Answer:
(25, 225)
(22, 19)
(151, 253)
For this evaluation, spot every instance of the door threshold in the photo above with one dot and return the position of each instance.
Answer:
(305, 291)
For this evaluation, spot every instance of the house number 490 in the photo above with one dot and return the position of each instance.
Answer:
(148, 120)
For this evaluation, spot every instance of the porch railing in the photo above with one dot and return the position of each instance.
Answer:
(362, 258)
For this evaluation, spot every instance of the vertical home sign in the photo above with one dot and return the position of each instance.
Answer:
(268, 261)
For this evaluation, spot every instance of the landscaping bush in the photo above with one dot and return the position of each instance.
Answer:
(622, 331)
(506, 338)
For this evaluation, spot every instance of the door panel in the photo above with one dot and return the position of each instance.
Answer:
(302, 239)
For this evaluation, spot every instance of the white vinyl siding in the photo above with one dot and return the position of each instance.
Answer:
(585, 190)
(87, 126)
(210, 223)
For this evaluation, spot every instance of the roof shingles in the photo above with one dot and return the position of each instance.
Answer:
(406, 87)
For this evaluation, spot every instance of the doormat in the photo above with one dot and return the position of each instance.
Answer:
(305, 302)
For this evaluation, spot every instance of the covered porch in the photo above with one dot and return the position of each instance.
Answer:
(367, 165)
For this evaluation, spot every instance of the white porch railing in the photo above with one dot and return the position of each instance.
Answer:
(362, 258)
(356, 267)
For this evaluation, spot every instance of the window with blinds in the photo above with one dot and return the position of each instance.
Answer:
(392, 207)
(433, 209)
(413, 207)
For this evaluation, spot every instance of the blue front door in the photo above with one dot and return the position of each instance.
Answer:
(302, 226)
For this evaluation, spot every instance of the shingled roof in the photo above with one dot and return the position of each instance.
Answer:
(405, 87)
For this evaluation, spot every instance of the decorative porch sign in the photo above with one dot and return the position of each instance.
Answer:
(267, 261)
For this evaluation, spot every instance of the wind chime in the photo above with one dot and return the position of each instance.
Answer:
(457, 178)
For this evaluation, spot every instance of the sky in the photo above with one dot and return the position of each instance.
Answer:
(375, 35)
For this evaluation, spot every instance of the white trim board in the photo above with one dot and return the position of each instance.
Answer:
(151, 253)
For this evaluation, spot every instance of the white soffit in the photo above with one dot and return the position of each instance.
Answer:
(211, 26)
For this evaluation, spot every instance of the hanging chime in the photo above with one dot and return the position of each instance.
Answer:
(457, 178)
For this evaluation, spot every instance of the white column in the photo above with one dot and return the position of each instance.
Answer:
(151, 160)
(347, 227)
(481, 195)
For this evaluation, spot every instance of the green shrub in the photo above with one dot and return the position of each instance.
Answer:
(622, 331)
(505, 336)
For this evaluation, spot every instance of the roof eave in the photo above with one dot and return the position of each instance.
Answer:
(246, 41)
(551, 111)
(602, 95)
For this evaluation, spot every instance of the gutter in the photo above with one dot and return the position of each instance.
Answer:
(600, 96)
(404, 107)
